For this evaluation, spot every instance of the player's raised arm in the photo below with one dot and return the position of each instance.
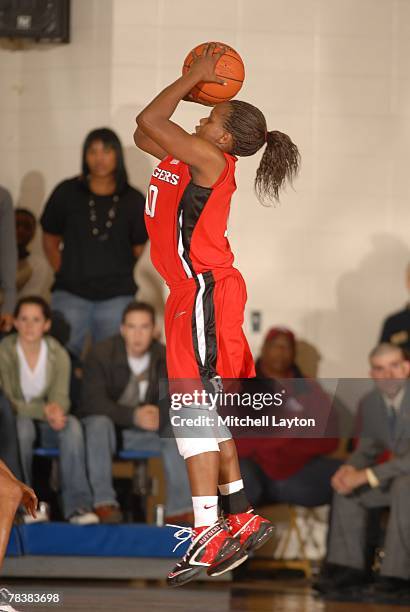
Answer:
(154, 121)
(145, 143)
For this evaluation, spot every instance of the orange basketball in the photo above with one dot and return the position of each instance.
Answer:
(229, 67)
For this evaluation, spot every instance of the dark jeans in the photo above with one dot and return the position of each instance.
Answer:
(9, 452)
(309, 487)
(75, 488)
(100, 319)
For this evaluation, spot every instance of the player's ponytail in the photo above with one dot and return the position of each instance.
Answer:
(281, 159)
(280, 163)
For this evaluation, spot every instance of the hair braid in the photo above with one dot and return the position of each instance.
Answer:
(281, 159)
(280, 163)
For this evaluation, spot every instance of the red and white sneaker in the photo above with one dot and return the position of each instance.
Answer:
(211, 547)
(250, 529)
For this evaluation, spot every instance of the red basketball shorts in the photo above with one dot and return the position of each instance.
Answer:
(203, 327)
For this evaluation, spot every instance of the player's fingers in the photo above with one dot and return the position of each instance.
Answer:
(31, 503)
(32, 507)
(209, 48)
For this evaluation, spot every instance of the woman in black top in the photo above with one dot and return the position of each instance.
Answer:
(94, 232)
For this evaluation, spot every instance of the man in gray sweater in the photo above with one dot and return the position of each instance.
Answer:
(8, 261)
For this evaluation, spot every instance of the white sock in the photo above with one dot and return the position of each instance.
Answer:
(231, 487)
(205, 510)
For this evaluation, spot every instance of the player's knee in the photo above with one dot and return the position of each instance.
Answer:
(228, 450)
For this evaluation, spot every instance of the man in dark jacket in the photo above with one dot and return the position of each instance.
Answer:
(121, 390)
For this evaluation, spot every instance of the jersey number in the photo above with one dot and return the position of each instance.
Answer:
(151, 200)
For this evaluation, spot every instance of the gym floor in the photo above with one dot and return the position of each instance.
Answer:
(261, 596)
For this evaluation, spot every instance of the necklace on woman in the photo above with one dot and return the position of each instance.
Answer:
(102, 234)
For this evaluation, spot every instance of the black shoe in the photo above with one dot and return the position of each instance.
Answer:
(387, 585)
(358, 593)
(389, 591)
(341, 577)
(327, 572)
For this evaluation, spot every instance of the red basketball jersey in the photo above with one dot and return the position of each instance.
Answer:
(186, 223)
(187, 226)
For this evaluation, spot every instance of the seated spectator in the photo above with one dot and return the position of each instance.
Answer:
(278, 354)
(32, 270)
(396, 328)
(364, 483)
(288, 470)
(121, 391)
(34, 375)
(8, 437)
(99, 218)
(8, 261)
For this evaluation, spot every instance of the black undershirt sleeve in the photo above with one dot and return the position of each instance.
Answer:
(138, 231)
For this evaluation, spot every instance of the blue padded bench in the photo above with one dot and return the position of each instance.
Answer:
(50, 453)
(128, 540)
(15, 547)
(53, 453)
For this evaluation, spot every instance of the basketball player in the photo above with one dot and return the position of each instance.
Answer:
(187, 211)
(12, 494)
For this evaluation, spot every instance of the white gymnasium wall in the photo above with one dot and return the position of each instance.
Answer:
(328, 261)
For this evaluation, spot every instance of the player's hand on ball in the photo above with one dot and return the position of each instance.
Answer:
(219, 73)
(205, 64)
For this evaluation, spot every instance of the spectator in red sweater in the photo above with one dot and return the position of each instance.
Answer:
(289, 470)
